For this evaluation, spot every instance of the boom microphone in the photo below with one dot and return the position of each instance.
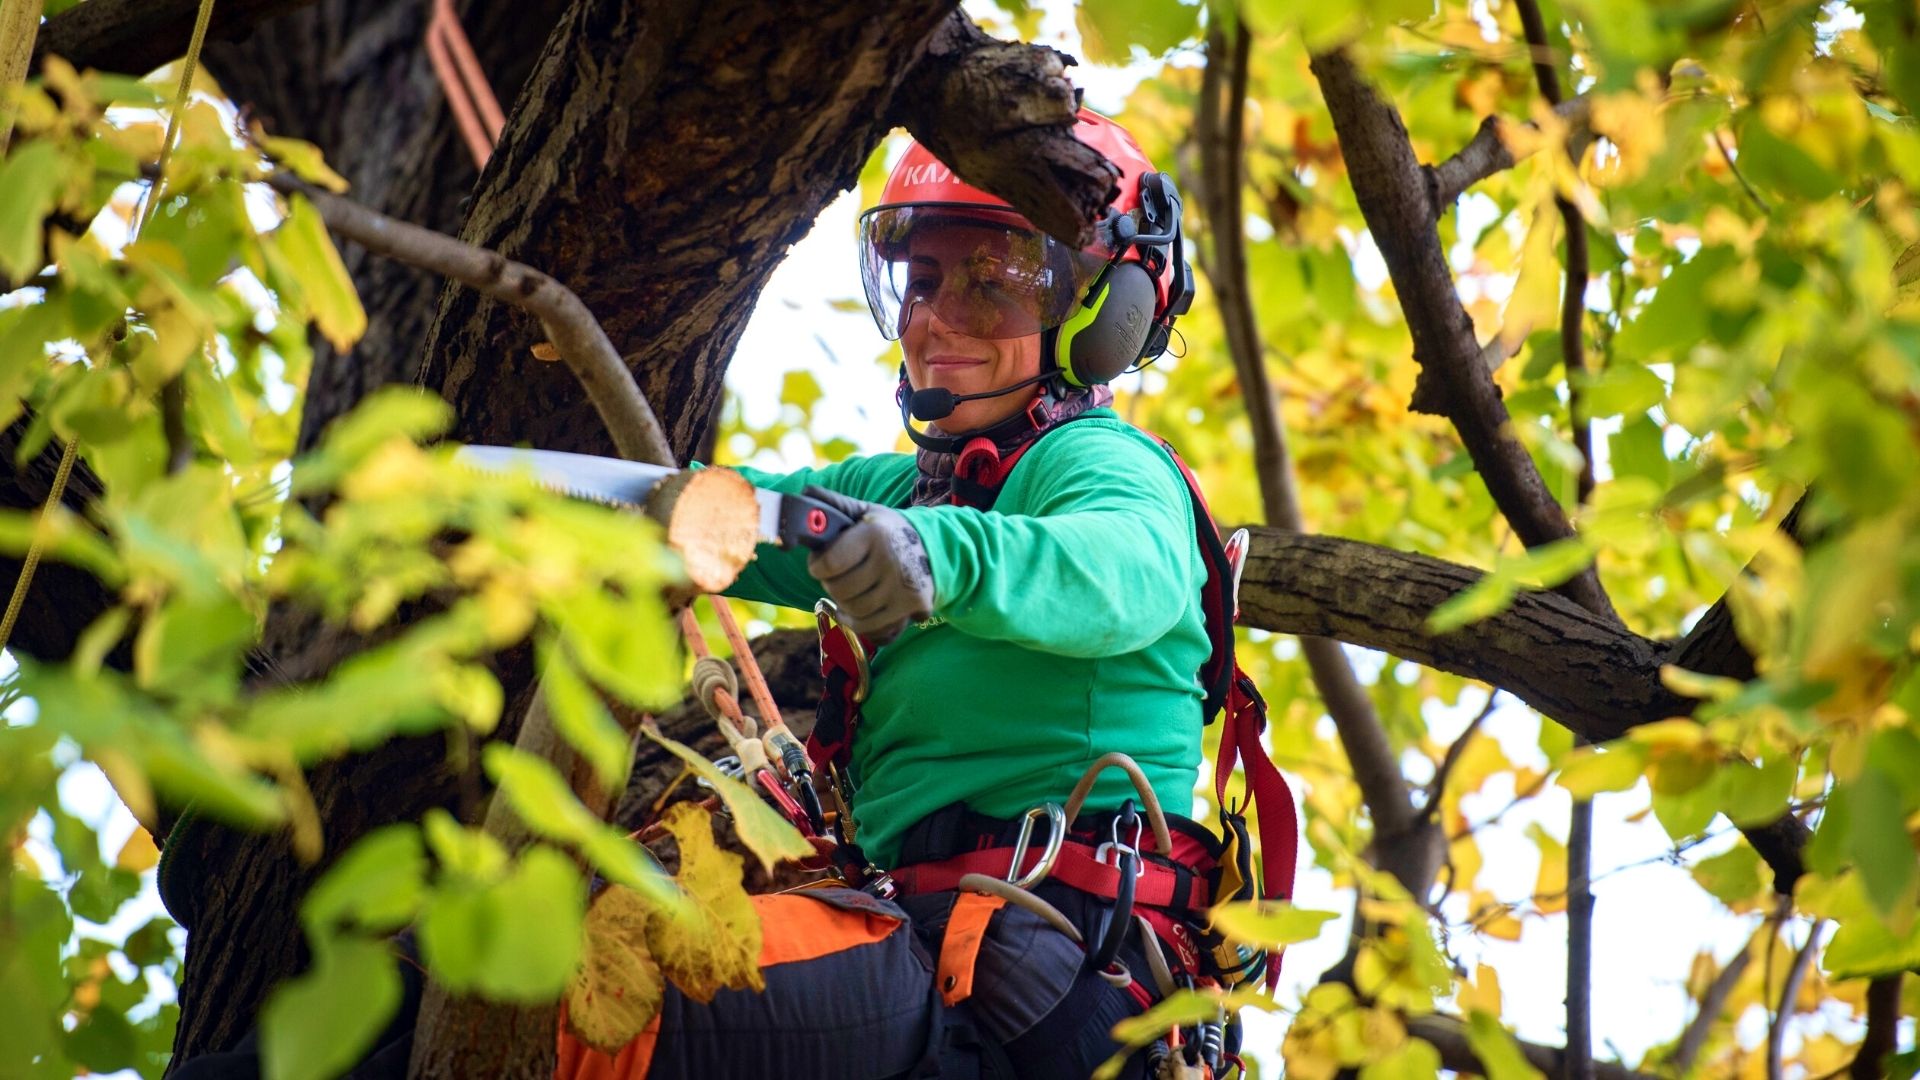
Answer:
(938, 402)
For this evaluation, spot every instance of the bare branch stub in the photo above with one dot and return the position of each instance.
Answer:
(1487, 153)
(1002, 114)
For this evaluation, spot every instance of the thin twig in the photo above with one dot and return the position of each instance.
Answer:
(1573, 306)
(1437, 787)
(1712, 1001)
(1727, 153)
(1777, 1032)
(568, 324)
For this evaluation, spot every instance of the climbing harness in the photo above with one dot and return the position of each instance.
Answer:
(1159, 893)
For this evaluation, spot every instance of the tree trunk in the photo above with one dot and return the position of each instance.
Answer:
(659, 162)
(350, 76)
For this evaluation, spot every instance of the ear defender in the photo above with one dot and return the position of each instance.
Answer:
(1117, 328)
(1105, 338)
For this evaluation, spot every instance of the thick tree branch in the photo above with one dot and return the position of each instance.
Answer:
(1883, 1028)
(569, 325)
(136, 36)
(1002, 114)
(1392, 192)
(1601, 682)
(1487, 153)
(1449, 1036)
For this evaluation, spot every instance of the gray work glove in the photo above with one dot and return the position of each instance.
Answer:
(876, 572)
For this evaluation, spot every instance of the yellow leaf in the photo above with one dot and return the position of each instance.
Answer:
(304, 160)
(618, 988)
(764, 832)
(129, 782)
(1695, 685)
(713, 940)
(1536, 292)
(1463, 854)
(311, 257)
(1482, 992)
(1269, 925)
(1591, 770)
(138, 855)
(1550, 887)
(1678, 732)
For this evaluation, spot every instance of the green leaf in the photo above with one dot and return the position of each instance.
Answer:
(463, 851)
(1415, 1060)
(583, 720)
(152, 943)
(1878, 840)
(104, 1042)
(316, 1026)
(1621, 389)
(325, 286)
(1496, 1049)
(1864, 945)
(1543, 567)
(800, 389)
(1111, 28)
(377, 885)
(388, 413)
(764, 832)
(542, 799)
(29, 183)
(1757, 794)
(1733, 876)
(193, 645)
(515, 940)
(1269, 924)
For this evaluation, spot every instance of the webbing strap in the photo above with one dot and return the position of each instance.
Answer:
(1156, 886)
(960, 946)
(1278, 820)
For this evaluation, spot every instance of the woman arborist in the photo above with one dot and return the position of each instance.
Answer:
(1020, 600)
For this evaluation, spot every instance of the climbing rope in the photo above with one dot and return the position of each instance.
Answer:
(469, 96)
(139, 224)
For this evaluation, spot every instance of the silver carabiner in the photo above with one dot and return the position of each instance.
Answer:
(1056, 835)
(1113, 850)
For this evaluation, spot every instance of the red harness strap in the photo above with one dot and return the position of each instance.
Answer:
(1156, 886)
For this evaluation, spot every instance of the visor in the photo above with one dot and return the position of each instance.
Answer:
(985, 273)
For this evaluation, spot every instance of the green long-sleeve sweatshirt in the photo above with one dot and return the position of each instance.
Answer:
(1067, 624)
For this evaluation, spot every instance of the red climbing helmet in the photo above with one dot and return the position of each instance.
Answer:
(987, 272)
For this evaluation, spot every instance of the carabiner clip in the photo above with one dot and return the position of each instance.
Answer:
(1115, 851)
(1056, 835)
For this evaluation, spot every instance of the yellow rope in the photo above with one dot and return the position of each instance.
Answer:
(59, 489)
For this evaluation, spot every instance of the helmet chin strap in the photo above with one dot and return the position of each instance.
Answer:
(938, 403)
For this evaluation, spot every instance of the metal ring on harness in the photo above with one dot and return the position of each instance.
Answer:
(1162, 836)
(1056, 836)
(1100, 959)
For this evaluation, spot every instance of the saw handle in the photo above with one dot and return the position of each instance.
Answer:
(810, 523)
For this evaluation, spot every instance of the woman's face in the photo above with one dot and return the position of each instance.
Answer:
(940, 354)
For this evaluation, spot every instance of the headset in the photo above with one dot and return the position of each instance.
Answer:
(1114, 329)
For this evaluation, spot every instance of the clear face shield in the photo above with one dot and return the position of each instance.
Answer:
(985, 273)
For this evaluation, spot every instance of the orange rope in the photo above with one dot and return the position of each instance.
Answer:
(749, 667)
(728, 704)
(469, 96)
